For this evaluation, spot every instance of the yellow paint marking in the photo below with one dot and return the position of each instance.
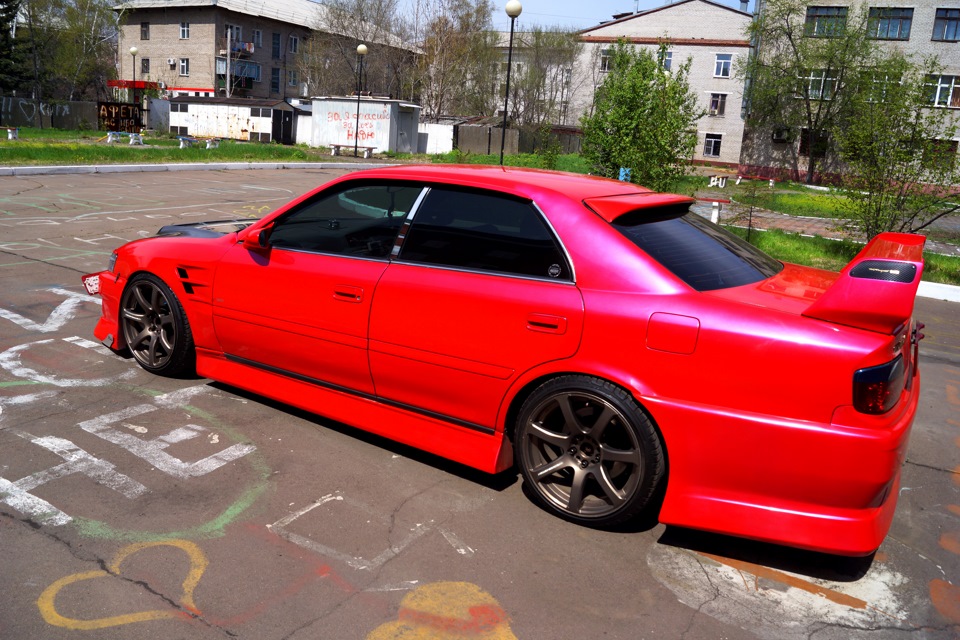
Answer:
(198, 564)
(954, 509)
(791, 581)
(953, 395)
(447, 610)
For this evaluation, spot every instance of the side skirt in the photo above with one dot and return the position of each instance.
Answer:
(486, 451)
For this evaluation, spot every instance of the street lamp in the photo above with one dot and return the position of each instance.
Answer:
(133, 89)
(513, 10)
(361, 51)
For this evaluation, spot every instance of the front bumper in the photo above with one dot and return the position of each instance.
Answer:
(109, 286)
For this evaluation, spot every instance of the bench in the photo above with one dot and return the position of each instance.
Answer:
(13, 133)
(335, 149)
(187, 141)
(135, 138)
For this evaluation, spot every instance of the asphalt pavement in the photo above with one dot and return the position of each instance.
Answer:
(138, 507)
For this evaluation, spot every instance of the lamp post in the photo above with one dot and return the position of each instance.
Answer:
(513, 10)
(133, 87)
(361, 51)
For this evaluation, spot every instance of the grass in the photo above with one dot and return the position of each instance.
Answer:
(833, 255)
(57, 147)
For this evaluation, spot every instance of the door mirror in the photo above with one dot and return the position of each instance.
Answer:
(258, 239)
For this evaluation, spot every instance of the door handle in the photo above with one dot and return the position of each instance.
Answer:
(546, 323)
(347, 293)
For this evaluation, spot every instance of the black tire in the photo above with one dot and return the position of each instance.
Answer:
(587, 452)
(155, 327)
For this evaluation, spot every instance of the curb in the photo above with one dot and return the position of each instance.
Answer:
(946, 292)
(193, 166)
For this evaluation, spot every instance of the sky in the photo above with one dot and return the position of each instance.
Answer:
(574, 14)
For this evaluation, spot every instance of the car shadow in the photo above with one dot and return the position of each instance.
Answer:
(810, 564)
(497, 482)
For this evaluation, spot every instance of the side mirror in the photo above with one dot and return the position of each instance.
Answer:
(258, 239)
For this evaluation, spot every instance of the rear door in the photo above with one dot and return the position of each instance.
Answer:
(480, 292)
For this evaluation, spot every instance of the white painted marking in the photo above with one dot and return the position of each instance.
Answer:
(89, 344)
(457, 543)
(16, 494)
(779, 609)
(10, 361)
(153, 450)
(60, 316)
(406, 585)
(134, 427)
(350, 560)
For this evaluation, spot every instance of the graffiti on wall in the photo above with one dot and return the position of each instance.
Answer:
(26, 112)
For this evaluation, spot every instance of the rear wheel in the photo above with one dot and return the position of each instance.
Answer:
(155, 327)
(587, 451)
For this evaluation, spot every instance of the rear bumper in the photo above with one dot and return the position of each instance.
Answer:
(831, 487)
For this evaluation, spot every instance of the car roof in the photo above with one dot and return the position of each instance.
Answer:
(517, 180)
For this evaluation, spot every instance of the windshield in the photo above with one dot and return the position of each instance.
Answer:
(702, 254)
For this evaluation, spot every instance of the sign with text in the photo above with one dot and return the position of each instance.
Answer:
(119, 116)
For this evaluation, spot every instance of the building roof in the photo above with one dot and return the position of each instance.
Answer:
(631, 16)
(305, 13)
(236, 102)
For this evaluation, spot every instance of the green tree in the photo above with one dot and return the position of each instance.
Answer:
(644, 119)
(800, 79)
(12, 62)
(543, 62)
(900, 166)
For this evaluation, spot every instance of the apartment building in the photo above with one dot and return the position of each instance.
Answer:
(919, 28)
(710, 34)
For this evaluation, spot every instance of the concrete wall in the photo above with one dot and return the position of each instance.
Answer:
(387, 125)
(220, 121)
(486, 140)
(24, 112)
(435, 138)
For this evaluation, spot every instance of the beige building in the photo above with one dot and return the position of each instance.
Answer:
(206, 48)
(712, 35)
(920, 28)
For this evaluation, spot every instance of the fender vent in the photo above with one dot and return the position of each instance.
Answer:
(886, 270)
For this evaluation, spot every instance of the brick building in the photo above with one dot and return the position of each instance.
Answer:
(712, 35)
(919, 28)
(225, 48)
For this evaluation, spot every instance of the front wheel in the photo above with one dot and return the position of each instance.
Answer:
(587, 451)
(155, 327)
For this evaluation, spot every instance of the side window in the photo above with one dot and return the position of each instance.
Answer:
(485, 232)
(357, 221)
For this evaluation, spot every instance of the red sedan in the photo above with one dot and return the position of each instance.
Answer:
(595, 334)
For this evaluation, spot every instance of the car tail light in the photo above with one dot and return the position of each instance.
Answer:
(877, 389)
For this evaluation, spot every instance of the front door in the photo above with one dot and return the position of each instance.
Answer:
(301, 307)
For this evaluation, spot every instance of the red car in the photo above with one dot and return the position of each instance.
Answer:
(593, 333)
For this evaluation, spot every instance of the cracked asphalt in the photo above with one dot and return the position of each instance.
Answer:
(136, 507)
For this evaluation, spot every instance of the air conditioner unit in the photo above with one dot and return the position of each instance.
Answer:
(713, 112)
(171, 61)
(780, 134)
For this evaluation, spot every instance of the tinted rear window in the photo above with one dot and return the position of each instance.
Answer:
(700, 253)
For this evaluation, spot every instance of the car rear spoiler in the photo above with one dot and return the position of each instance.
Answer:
(876, 291)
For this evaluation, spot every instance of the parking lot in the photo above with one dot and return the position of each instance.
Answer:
(134, 506)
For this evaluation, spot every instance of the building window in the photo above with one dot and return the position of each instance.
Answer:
(275, 80)
(889, 24)
(145, 66)
(665, 60)
(294, 44)
(722, 67)
(276, 46)
(944, 91)
(606, 60)
(711, 145)
(718, 104)
(946, 27)
(258, 38)
(184, 66)
(178, 107)
(293, 78)
(818, 85)
(819, 144)
(233, 32)
(179, 131)
(144, 30)
(184, 30)
(825, 22)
